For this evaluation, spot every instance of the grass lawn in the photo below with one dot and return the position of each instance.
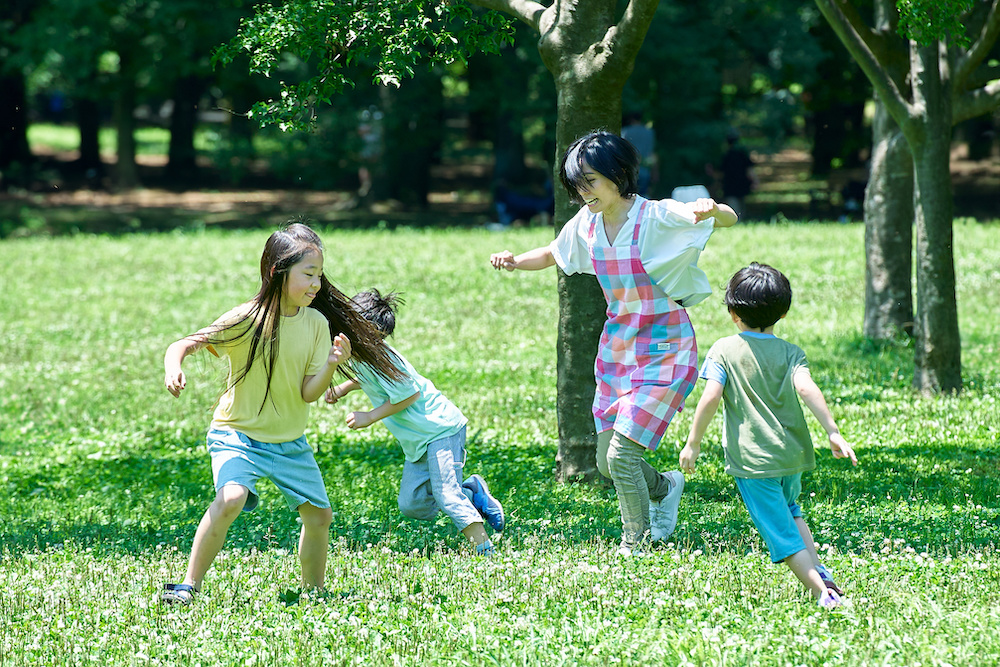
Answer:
(103, 475)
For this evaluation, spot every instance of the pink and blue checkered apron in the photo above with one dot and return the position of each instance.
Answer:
(647, 361)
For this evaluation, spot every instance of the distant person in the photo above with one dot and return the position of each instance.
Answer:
(738, 179)
(283, 348)
(766, 440)
(431, 431)
(645, 256)
(643, 138)
(370, 131)
(512, 206)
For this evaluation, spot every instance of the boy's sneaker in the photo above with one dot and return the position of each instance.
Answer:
(827, 578)
(830, 600)
(663, 513)
(488, 506)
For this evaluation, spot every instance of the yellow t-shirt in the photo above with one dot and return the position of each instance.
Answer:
(303, 347)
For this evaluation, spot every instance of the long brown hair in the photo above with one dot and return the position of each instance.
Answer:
(285, 248)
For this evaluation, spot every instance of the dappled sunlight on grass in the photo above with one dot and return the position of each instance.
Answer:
(104, 476)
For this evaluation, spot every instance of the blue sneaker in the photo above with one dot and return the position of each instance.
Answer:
(488, 506)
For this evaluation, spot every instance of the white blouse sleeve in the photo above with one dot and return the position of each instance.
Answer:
(570, 249)
(671, 244)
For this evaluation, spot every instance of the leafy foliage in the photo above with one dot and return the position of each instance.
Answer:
(334, 34)
(927, 21)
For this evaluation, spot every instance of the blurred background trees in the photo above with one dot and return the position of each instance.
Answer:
(772, 70)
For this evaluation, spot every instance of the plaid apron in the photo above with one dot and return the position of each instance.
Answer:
(647, 361)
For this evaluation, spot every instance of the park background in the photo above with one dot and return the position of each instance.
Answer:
(112, 249)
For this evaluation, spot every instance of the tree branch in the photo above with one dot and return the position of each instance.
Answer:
(526, 10)
(976, 102)
(981, 48)
(632, 28)
(852, 31)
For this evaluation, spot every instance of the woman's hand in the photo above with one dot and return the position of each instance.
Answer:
(503, 260)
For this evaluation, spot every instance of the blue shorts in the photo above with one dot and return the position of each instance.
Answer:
(237, 459)
(772, 507)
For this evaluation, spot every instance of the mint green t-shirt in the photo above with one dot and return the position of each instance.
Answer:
(766, 434)
(430, 418)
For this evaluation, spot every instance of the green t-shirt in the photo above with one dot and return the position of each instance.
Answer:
(766, 434)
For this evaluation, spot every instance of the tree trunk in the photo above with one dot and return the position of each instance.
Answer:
(88, 119)
(181, 165)
(588, 98)
(889, 212)
(938, 354)
(888, 232)
(126, 172)
(14, 124)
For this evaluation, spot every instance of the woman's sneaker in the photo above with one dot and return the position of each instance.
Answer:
(488, 506)
(663, 512)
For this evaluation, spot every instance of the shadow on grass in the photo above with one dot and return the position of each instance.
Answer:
(943, 498)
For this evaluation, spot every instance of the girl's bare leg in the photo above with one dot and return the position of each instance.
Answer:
(314, 544)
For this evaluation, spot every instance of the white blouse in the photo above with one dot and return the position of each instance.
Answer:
(670, 243)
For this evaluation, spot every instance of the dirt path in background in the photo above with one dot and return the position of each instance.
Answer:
(460, 196)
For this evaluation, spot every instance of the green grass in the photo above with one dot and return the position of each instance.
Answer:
(149, 140)
(103, 475)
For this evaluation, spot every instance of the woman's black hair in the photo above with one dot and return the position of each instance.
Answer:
(759, 295)
(283, 249)
(607, 154)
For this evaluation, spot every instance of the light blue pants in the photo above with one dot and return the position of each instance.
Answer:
(434, 484)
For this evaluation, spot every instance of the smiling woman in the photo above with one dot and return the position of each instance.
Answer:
(644, 254)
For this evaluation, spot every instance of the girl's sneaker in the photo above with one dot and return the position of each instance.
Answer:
(827, 578)
(830, 600)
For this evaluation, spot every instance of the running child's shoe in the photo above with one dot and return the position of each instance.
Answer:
(663, 513)
(488, 506)
(827, 578)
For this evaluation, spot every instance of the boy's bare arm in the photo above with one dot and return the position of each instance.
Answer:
(708, 405)
(814, 400)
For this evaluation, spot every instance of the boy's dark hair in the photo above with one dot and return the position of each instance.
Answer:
(759, 295)
(609, 155)
(379, 309)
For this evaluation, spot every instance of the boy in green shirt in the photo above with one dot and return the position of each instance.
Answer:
(766, 441)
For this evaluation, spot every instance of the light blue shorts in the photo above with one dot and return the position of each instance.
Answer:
(772, 507)
(237, 459)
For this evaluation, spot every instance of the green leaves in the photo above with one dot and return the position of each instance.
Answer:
(926, 21)
(338, 39)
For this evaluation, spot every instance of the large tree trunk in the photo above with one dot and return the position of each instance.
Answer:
(588, 98)
(938, 354)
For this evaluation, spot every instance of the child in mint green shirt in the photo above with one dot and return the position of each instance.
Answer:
(760, 379)
(431, 432)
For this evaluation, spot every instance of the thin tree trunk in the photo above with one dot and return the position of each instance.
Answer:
(126, 172)
(88, 119)
(14, 123)
(938, 354)
(181, 165)
(888, 233)
(889, 212)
